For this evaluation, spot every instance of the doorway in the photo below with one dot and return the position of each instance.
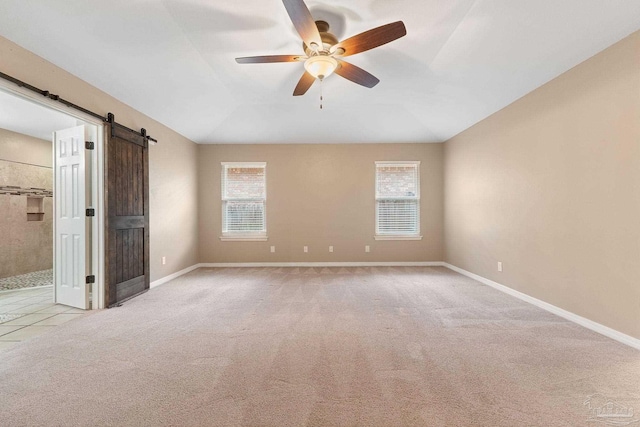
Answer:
(30, 195)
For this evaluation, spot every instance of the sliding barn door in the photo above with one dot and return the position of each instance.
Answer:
(127, 237)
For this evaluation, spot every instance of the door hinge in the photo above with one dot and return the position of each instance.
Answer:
(91, 279)
(91, 212)
(89, 145)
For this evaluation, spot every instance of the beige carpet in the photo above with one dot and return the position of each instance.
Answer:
(317, 347)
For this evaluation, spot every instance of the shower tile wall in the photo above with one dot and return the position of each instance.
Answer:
(25, 246)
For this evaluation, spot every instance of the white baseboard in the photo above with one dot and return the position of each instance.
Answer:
(589, 324)
(175, 275)
(324, 264)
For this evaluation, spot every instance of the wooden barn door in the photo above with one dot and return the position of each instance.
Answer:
(127, 215)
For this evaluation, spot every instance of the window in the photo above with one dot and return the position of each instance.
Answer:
(244, 197)
(398, 201)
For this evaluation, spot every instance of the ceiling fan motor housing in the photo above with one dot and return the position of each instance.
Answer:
(328, 40)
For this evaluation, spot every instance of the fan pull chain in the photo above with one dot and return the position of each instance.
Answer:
(321, 94)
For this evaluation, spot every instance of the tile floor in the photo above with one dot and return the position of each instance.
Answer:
(27, 313)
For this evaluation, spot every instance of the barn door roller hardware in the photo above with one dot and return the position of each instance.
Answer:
(143, 132)
(57, 98)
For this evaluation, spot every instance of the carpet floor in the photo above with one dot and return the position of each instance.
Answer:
(370, 346)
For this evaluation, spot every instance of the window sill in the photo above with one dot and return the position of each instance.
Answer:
(397, 237)
(244, 238)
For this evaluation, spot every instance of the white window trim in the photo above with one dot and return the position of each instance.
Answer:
(260, 236)
(405, 237)
(248, 238)
(397, 237)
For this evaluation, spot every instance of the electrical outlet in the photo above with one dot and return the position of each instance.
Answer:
(330, 248)
(273, 249)
(305, 249)
(164, 260)
(367, 248)
(499, 266)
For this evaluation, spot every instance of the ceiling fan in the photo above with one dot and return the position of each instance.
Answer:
(323, 51)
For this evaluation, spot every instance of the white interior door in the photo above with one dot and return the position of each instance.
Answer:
(72, 231)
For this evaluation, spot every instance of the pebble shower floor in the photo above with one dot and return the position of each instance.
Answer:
(29, 280)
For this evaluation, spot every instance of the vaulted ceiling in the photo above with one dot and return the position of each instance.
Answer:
(461, 61)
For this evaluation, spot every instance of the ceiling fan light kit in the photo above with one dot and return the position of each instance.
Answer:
(324, 52)
(320, 66)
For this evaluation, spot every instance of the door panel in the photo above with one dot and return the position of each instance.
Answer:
(72, 228)
(130, 250)
(127, 215)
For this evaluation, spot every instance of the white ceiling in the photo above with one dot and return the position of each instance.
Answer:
(28, 118)
(461, 61)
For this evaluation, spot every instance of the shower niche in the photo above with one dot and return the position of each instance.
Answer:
(35, 208)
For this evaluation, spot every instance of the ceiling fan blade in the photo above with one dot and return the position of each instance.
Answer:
(356, 74)
(304, 84)
(269, 58)
(303, 21)
(372, 38)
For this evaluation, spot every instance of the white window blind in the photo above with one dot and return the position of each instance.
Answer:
(398, 199)
(244, 196)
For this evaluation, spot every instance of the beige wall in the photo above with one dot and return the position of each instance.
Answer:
(550, 186)
(173, 177)
(320, 195)
(16, 147)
